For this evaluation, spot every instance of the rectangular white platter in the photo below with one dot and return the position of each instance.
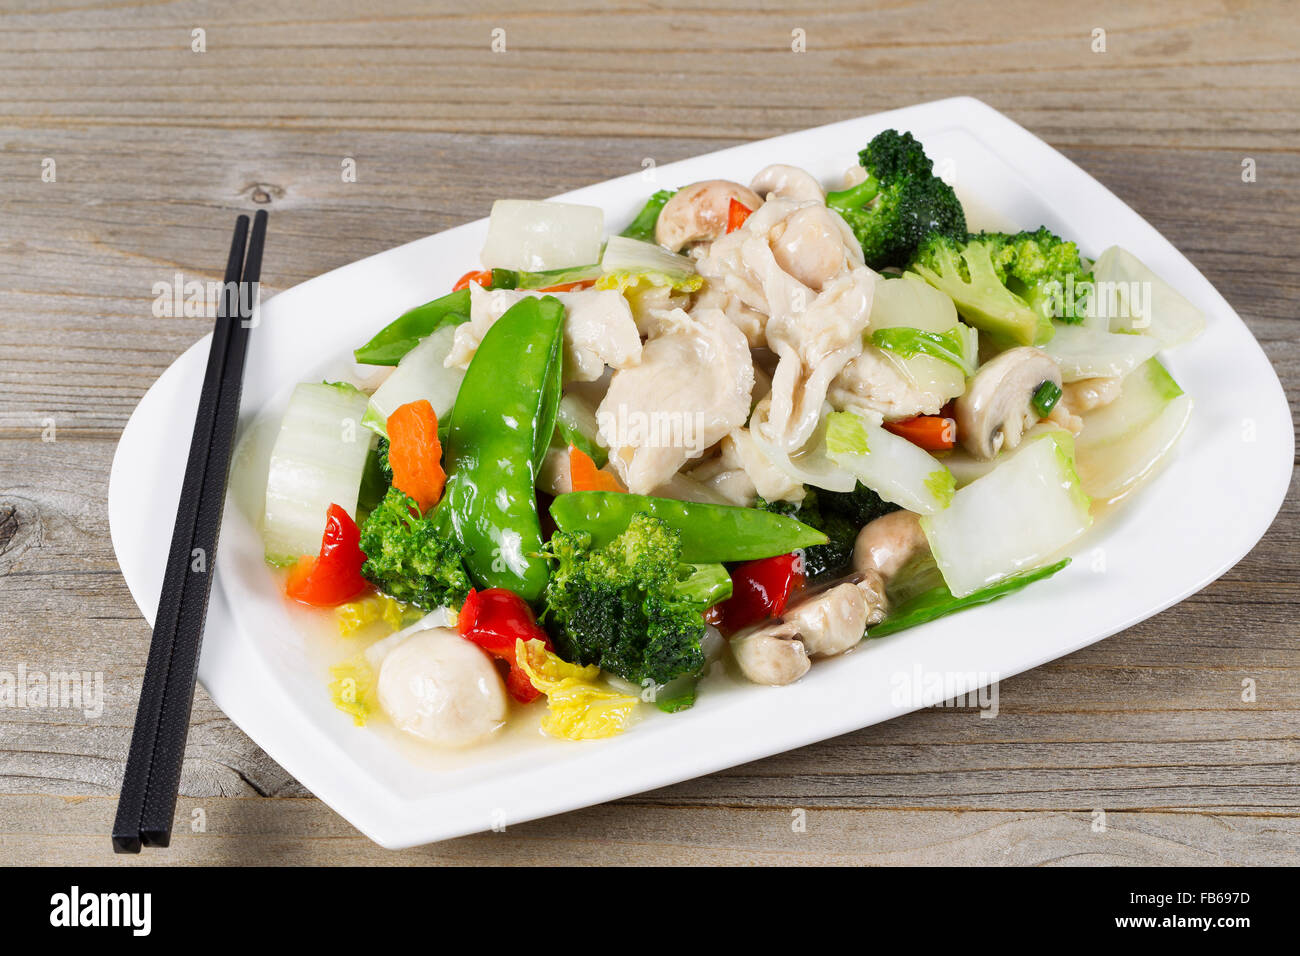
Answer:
(1163, 545)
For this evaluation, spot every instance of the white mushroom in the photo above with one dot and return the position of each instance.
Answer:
(996, 407)
(699, 211)
(820, 623)
(441, 688)
(830, 621)
(771, 653)
(882, 548)
(787, 182)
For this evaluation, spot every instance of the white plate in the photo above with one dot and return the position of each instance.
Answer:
(1190, 524)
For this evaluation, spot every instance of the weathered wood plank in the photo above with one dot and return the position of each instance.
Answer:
(242, 831)
(719, 70)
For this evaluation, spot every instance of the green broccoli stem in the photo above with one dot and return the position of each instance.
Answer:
(855, 197)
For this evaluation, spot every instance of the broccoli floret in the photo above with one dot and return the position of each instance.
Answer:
(900, 203)
(1010, 286)
(1041, 268)
(838, 515)
(413, 558)
(617, 606)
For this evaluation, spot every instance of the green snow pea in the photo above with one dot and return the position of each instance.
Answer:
(500, 426)
(707, 532)
(938, 601)
(404, 333)
(643, 226)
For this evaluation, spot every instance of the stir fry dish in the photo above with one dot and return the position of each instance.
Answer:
(761, 424)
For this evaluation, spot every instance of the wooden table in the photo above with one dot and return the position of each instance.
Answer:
(154, 145)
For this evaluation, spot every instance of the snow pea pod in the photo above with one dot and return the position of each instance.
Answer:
(404, 333)
(707, 532)
(504, 412)
(938, 601)
(643, 226)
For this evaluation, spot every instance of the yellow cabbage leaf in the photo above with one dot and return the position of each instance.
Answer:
(578, 707)
(353, 616)
(355, 688)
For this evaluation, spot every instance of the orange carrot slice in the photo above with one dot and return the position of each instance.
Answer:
(587, 477)
(415, 453)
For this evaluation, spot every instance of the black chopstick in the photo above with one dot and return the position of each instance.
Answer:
(153, 767)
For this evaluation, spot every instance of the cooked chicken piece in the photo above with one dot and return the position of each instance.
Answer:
(734, 295)
(740, 470)
(554, 477)
(651, 305)
(770, 483)
(812, 348)
(812, 246)
(1088, 394)
(798, 265)
(1079, 398)
(690, 389)
(877, 382)
(598, 329)
(787, 182)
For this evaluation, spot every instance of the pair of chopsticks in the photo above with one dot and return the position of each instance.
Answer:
(153, 766)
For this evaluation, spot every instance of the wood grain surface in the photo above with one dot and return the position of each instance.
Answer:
(1137, 750)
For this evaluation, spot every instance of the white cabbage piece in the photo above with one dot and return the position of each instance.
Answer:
(1134, 299)
(1018, 516)
(532, 236)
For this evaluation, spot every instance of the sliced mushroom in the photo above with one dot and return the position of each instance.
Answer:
(996, 408)
(881, 550)
(771, 653)
(699, 211)
(787, 182)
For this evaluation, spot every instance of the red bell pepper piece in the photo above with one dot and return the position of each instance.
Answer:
(482, 276)
(737, 213)
(495, 619)
(334, 576)
(759, 590)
